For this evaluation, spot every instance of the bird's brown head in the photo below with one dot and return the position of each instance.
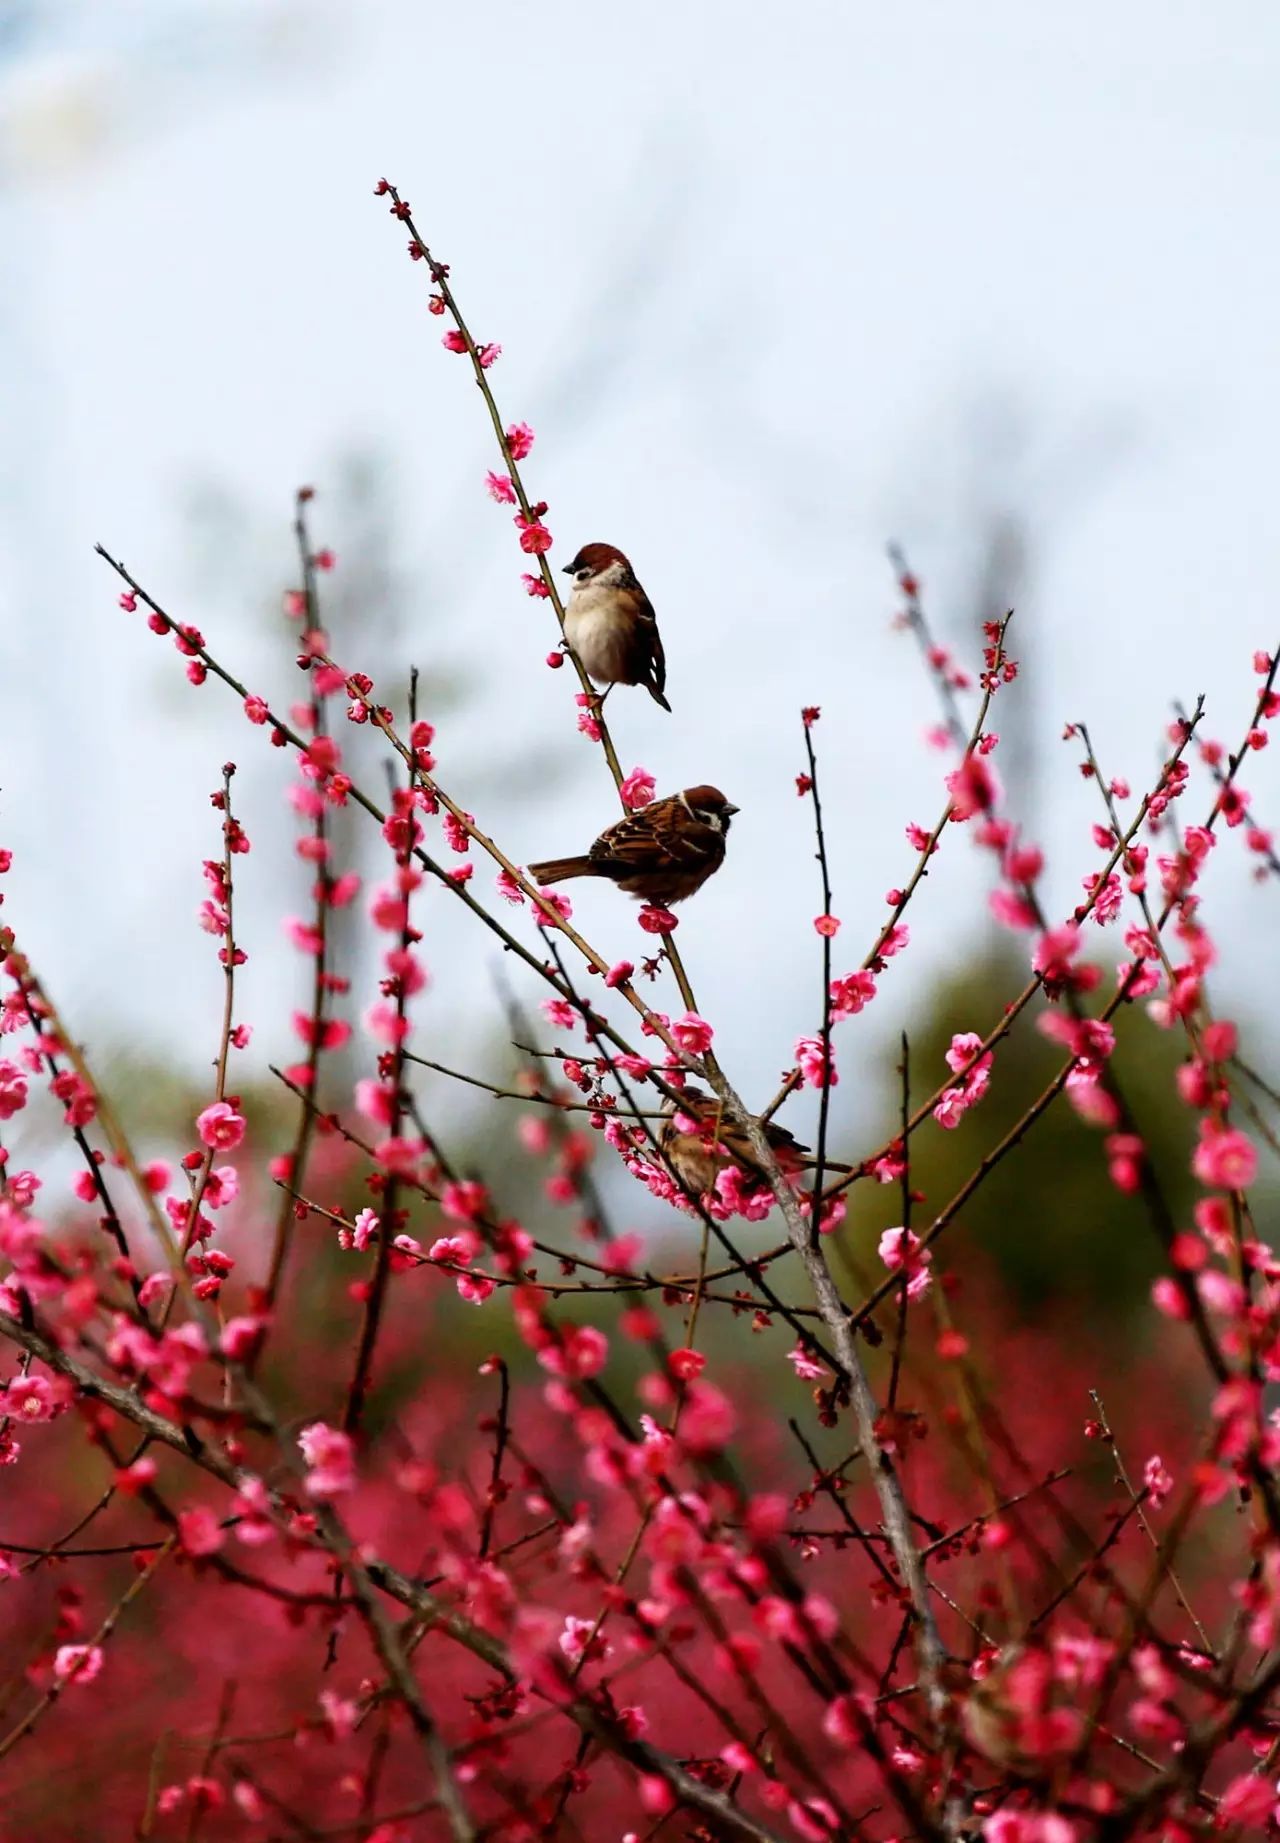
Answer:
(594, 560)
(693, 1101)
(710, 806)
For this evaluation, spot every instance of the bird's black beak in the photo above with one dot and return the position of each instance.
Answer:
(568, 570)
(731, 810)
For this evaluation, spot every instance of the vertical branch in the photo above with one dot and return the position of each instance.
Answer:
(226, 1702)
(826, 923)
(230, 957)
(930, 1655)
(390, 1193)
(307, 1117)
(900, 1336)
(502, 1433)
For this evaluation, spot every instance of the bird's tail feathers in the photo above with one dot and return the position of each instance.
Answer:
(559, 870)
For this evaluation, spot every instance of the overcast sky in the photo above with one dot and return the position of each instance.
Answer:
(774, 285)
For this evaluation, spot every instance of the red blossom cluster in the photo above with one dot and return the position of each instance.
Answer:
(308, 1559)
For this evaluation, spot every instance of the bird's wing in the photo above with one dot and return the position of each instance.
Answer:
(632, 843)
(648, 637)
(659, 657)
(657, 836)
(732, 1137)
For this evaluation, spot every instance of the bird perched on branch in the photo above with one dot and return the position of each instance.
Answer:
(662, 854)
(698, 1140)
(610, 624)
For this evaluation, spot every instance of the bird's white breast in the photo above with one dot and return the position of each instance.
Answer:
(598, 630)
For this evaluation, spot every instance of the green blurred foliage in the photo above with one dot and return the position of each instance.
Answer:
(1059, 1234)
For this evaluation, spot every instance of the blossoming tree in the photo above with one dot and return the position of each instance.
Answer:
(282, 1565)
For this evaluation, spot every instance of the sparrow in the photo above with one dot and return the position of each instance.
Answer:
(698, 1141)
(662, 854)
(610, 624)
